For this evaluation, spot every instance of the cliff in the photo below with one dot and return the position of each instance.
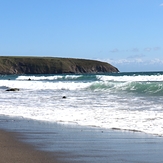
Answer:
(49, 65)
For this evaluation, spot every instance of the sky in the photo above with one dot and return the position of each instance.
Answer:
(125, 33)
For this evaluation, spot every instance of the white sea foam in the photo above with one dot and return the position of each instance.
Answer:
(131, 78)
(90, 109)
(85, 105)
(72, 76)
(42, 85)
(54, 77)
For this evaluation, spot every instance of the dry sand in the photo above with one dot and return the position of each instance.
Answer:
(14, 151)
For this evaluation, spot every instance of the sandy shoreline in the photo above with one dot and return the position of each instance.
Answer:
(58, 143)
(14, 151)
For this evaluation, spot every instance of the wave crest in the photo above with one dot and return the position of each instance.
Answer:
(151, 88)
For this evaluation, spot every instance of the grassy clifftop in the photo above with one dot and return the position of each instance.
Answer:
(49, 65)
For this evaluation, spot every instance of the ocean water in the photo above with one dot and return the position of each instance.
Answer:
(122, 101)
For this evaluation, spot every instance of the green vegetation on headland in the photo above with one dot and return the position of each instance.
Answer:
(50, 65)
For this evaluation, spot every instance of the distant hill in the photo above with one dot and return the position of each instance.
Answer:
(50, 65)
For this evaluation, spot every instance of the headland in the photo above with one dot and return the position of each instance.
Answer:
(48, 65)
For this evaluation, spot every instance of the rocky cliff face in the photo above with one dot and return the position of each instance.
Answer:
(40, 65)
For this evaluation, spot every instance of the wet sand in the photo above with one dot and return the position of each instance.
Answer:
(14, 151)
(28, 141)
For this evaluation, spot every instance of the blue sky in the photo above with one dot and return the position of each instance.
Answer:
(126, 33)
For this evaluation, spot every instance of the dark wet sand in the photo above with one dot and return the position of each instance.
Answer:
(14, 151)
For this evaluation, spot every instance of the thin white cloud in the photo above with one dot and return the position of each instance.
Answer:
(129, 61)
(157, 61)
(137, 64)
(156, 48)
(161, 4)
(147, 49)
(135, 61)
(114, 50)
(135, 50)
(124, 61)
(137, 56)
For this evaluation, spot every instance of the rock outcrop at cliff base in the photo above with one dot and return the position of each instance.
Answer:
(50, 65)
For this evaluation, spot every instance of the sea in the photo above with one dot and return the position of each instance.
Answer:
(87, 118)
(130, 101)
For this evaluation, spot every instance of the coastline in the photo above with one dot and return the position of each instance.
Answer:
(58, 143)
(12, 65)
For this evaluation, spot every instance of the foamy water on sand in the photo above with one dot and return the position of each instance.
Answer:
(124, 101)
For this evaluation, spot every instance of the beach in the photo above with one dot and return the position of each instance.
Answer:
(43, 142)
(14, 151)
